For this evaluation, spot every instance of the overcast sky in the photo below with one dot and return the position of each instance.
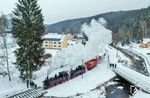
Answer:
(58, 10)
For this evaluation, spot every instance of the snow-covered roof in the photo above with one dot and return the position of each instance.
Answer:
(80, 36)
(54, 37)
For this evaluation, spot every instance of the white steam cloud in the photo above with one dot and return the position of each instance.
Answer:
(98, 37)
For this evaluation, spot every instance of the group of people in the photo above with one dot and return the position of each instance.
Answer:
(113, 65)
(31, 84)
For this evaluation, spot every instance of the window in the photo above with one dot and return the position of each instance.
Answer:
(54, 45)
(59, 46)
(45, 42)
(59, 42)
(46, 45)
(54, 42)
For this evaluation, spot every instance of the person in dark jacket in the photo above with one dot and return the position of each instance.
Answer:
(35, 85)
(27, 83)
(31, 84)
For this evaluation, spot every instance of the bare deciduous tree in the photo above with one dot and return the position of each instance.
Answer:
(4, 51)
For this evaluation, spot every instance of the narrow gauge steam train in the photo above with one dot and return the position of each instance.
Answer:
(64, 76)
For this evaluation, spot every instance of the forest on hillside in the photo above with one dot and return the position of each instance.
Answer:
(126, 26)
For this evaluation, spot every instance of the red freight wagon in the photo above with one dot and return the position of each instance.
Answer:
(92, 63)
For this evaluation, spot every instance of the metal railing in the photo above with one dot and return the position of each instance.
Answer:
(145, 85)
(11, 93)
(146, 61)
(130, 55)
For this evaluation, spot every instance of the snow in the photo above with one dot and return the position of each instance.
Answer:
(95, 77)
(16, 84)
(115, 56)
(141, 94)
(7, 87)
(70, 56)
(74, 54)
(140, 51)
(136, 77)
(102, 21)
(99, 38)
(10, 41)
(92, 94)
(135, 47)
(54, 36)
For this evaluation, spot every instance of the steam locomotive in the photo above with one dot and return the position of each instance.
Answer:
(64, 76)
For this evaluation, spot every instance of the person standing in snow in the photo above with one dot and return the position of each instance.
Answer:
(32, 84)
(27, 83)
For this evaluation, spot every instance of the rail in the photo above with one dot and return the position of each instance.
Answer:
(144, 85)
(12, 93)
(32, 93)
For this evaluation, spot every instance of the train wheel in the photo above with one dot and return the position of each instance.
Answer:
(59, 82)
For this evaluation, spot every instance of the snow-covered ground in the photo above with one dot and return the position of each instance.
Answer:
(141, 94)
(136, 48)
(96, 45)
(91, 79)
(139, 78)
(91, 94)
(16, 84)
(70, 57)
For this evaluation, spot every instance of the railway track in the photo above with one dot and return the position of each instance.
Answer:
(31, 93)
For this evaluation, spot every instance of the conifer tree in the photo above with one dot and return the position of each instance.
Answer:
(137, 33)
(28, 29)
